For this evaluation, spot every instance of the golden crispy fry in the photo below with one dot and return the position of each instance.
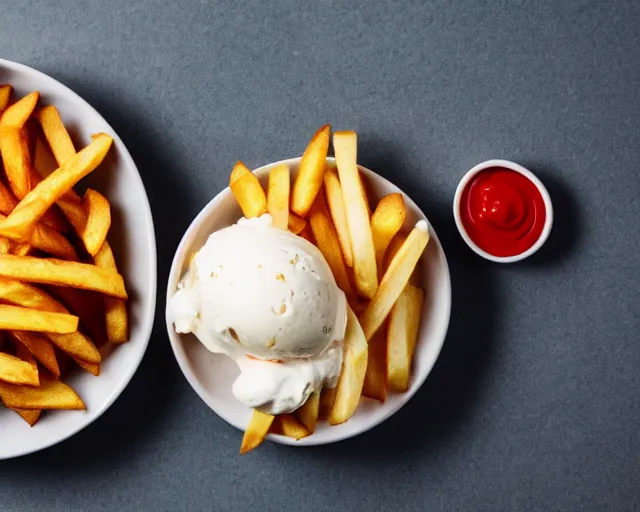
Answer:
(394, 247)
(15, 318)
(5, 245)
(386, 221)
(248, 191)
(19, 224)
(288, 425)
(56, 134)
(17, 114)
(327, 242)
(31, 416)
(394, 279)
(50, 241)
(363, 193)
(335, 199)
(19, 249)
(51, 394)
(23, 353)
(404, 322)
(52, 217)
(47, 240)
(16, 371)
(63, 273)
(311, 172)
(29, 296)
(5, 96)
(308, 413)
(375, 380)
(98, 222)
(7, 201)
(364, 256)
(92, 368)
(257, 430)
(278, 196)
(296, 224)
(14, 149)
(354, 367)
(327, 399)
(116, 318)
(41, 348)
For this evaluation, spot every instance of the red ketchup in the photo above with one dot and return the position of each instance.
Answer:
(502, 211)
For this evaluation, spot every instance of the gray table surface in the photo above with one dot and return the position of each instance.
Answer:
(534, 403)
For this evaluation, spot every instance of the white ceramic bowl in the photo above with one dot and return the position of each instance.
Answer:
(133, 241)
(548, 223)
(211, 375)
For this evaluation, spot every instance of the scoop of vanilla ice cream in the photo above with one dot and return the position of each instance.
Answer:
(261, 291)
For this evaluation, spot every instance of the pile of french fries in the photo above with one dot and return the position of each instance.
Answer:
(62, 300)
(374, 262)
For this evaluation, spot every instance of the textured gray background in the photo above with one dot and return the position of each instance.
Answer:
(534, 403)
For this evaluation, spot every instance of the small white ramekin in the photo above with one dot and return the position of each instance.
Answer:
(506, 164)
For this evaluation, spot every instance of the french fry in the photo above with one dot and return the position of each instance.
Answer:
(47, 240)
(41, 348)
(23, 354)
(296, 224)
(29, 296)
(308, 413)
(92, 368)
(63, 273)
(386, 221)
(278, 196)
(55, 133)
(50, 241)
(5, 96)
(7, 201)
(327, 399)
(394, 247)
(31, 416)
(20, 222)
(364, 256)
(5, 245)
(14, 149)
(404, 323)
(354, 367)
(335, 199)
(16, 371)
(394, 280)
(288, 425)
(116, 317)
(327, 241)
(98, 220)
(311, 172)
(17, 114)
(256, 431)
(15, 318)
(375, 379)
(248, 191)
(51, 394)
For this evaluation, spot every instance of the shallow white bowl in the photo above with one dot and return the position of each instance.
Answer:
(133, 241)
(211, 375)
(546, 198)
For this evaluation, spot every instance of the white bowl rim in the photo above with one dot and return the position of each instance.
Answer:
(146, 322)
(546, 198)
(179, 353)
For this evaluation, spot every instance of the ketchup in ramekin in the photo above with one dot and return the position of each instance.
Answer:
(503, 211)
